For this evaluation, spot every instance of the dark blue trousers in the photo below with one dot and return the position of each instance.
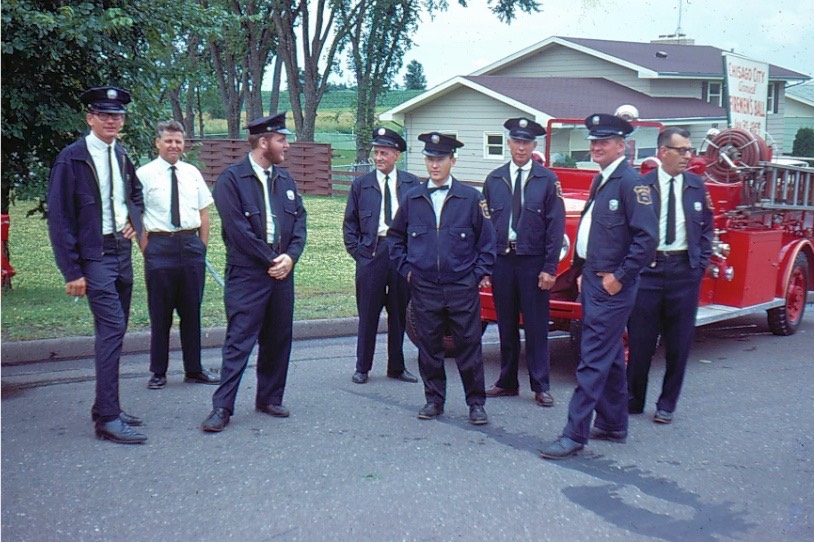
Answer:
(601, 382)
(456, 306)
(515, 291)
(109, 289)
(174, 271)
(666, 303)
(259, 309)
(379, 285)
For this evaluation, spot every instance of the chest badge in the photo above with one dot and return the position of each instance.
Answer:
(290, 195)
(697, 206)
(643, 194)
(613, 205)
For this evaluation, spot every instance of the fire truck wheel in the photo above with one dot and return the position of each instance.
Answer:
(786, 319)
(412, 333)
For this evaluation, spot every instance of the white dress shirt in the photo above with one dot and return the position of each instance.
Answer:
(513, 168)
(99, 154)
(585, 223)
(193, 195)
(439, 197)
(392, 181)
(680, 242)
(260, 172)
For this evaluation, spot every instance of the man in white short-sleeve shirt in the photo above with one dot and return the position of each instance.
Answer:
(176, 218)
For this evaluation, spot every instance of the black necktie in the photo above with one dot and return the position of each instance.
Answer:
(175, 209)
(270, 186)
(592, 194)
(516, 198)
(671, 214)
(434, 189)
(388, 203)
(110, 177)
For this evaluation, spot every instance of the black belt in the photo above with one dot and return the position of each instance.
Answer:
(665, 254)
(171, 233)
(382, 238)
(512, 245)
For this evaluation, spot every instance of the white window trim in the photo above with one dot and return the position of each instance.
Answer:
(720, 92)
(486, 145)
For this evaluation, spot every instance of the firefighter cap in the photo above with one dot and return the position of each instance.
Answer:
(272, 124)
(384, 137)
(105, 99)
(438, 144)
(523, 129)
(604, 126)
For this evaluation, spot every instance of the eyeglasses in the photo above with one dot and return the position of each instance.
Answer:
(108, 116)
(681, 150)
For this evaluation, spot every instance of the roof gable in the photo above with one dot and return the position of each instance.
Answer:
(564, 97)
(696, 61)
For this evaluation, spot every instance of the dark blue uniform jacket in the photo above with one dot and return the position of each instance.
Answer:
(624, 229)
(239, 198)
(360, 229)
(697, 213)
(542, 221)
(75, 206)
(463, 243)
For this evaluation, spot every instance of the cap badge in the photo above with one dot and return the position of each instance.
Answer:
(595, 119)
(435, 138)
(523, 123)
(382, 131)
(112, 94)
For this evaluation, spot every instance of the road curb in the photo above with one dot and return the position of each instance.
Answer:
(65, 348)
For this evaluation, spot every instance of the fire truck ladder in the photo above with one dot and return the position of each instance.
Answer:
(786, 188)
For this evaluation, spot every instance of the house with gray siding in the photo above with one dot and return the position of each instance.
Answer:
(799, 113)
(676, 84)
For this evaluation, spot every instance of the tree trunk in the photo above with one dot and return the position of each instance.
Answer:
(277, 76)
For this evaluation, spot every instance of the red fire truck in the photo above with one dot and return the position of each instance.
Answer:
(763, 248)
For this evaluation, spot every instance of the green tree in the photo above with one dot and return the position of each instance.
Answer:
(414, 78)
(804, 142)
(51, 52)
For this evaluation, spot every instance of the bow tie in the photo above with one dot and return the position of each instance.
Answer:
(443, 187)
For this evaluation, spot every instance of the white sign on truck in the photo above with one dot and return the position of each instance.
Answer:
(747, 87)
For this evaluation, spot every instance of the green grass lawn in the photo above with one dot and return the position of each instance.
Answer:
(37, 307)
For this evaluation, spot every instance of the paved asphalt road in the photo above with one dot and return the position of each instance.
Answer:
(353, 463)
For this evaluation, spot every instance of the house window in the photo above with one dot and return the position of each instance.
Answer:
(493, 145)
(773, 98)
(712, 91)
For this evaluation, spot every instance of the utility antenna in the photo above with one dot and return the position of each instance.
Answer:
(679, 33)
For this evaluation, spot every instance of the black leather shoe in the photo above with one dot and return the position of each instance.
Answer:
(119, 432)
(218, 419)
(561, 448)
(430, 411)
(404, 376)
(278, 411)
(496, 391)
(477, 415)
(359, 377)
(544, 399)
(634, 407)
(123, 416)
(203, 377)
(157, 382)
(662, 416)
(613, 436)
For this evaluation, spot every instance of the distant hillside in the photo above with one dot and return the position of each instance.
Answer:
(345, 99)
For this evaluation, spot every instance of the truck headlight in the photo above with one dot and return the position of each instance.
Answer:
(566, 246)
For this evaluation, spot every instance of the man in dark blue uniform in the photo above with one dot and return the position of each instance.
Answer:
(525, 201)
(263, 228)
(667, 299)
(94, 210)
(617, 236)
(443, 243)
(372, 203)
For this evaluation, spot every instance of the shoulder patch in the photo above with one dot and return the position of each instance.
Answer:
(559, 188)
(709, 202)
(484, 209)
(643, 194)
